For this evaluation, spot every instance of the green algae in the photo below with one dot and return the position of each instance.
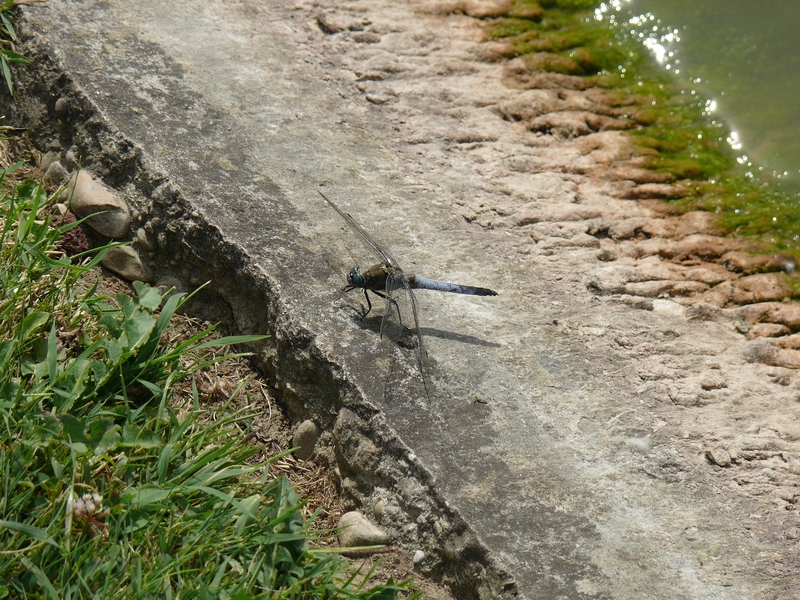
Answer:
(671, 127)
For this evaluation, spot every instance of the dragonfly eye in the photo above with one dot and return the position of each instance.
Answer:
(355, 278)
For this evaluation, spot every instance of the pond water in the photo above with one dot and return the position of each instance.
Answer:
(742, 55)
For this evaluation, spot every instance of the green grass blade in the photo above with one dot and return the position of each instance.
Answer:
(52, 354)
(43, 580)
(34, 533)
(230, 341)
(6, 72)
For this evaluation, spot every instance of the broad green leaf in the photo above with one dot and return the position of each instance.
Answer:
(99, 372)
(145, 495)
(170, 306)
(40, 576)
(157, 391)
(74, 429)
(12, 389)
(114, 348)
(108, 320)
(6, 72)
(230, 340)
(149, 297)
(164, 459)
(103, 434)
(126, 303)
(225, 473)
(51, 427)
(227, 498)
(249, 507)
(138, 519)
(138, 327)
(12, 168)
(109, 440)
(136, 437)
(75, 375)
(33, 321)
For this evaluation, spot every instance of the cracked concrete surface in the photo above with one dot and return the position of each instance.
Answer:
(613, 425)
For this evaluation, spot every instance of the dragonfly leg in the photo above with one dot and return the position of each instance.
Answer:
(393, 302)
(369, 305)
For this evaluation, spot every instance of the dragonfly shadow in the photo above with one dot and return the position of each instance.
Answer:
(369, 322)
(404, 338)
(373, 321)
(458, 337)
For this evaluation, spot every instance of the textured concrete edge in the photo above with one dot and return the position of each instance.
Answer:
(375, 466)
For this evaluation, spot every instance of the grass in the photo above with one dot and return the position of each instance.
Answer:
(116, 480)
(8, 37)
(670, 126)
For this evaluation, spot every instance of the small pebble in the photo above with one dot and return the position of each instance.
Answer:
(358, 531)
(305, 437)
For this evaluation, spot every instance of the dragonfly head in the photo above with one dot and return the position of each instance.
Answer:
(355, 278)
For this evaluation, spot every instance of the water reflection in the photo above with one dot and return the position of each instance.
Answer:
(742, 56)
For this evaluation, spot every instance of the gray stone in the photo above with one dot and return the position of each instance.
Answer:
(88, 196)
(169, 282)
(331, 23)
(358, 531)
(54, 174)
(143, 240)
(70, 160)
(305, 437)
(62, 108)
(719, 456)
(48, 158)
(125, 262)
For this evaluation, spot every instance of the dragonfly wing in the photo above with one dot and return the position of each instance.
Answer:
(402, 315)
(400, 323)
(371, 243)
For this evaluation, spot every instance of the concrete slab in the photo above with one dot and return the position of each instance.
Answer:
(545, 463)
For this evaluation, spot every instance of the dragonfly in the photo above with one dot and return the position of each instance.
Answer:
(388, 281)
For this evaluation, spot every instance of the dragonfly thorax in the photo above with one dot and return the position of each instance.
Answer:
(355, 278)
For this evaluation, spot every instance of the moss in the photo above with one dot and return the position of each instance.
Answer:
(681, 168)
(510, 28)
(527, 10)
(553, 63)
(644, 115)
(751, 208)
(605, 56)
(536, 41)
